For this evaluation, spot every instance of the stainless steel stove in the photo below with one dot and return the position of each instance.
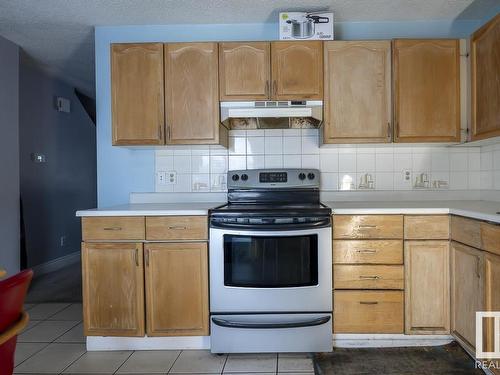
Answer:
(271, 264)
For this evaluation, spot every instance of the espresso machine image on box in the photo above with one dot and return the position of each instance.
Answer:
(303, 25)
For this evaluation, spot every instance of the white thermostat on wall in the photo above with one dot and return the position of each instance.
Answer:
(63, 104)
(306, 25)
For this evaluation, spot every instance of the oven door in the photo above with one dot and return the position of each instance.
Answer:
(255, 271)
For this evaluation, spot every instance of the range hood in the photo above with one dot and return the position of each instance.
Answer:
(272, 114)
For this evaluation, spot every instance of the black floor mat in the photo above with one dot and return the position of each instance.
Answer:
(449, 359)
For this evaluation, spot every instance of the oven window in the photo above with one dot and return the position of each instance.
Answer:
(270, 261)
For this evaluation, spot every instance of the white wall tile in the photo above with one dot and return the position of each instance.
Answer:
(255, 162)
(496, 159)
(255, 145)
(218, 182)
(474, 161)
(400, 183)
(218, 164)
(329, 162)
(384, 162)
(200, 182)
(237, 133)
(310, 161)
(459, 180)
(310, 145)
(273, 161)
(292, 161)
(496, 180)
(310, 132)
(273, 132)
(384, 181)
(440, 161)
(237, 146)
(292, 133)
(183, 183)
(365, 163)
(237, 162)
(164, 163)
(255, 133)
(329, 181)
(421, 162)
(182, 163)
(200, 164)
(273, 145)
(486, 180)
(486, 161)
(458, 161)
(347, 162)
(402, 162)
(292, 145)
(474, 180)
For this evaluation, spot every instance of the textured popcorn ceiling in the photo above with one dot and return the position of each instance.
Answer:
(59, 33)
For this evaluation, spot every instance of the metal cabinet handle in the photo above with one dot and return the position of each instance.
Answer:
(389, 130)
(478, 273)
(267, 89)
(160, 136)
(275, 88)
(146, 257)
(112, 228)
(366, 226)
(369, 277)
(274, 325)
(136, 257)
(368, 302)
(177, 227)
(168, 132)
(366, 251)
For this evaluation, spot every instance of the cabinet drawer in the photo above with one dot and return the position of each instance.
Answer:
(160, 228)
(427, 227)
(368, 312)
(467, 231)
(113, 228)
(490, 237)
(368, 251)
(368, 277)
(368, 226)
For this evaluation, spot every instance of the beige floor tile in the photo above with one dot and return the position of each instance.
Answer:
(251, 373)
(98, 362)
(72, 312)
(46, 331)
(295, 362)
(75, 334)
(198, 361)
(43, 311)
(296, 373)
(156, 361)
(24, 350)
(52, 359)
(247, 363)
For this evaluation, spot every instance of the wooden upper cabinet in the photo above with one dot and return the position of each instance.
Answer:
(426, 90)
(113, 289)
(427, 288)
(297, 70)
(357, 92)
(177, 289)
(485, 76)
(137, 94)
(192, 93)
(245, 71)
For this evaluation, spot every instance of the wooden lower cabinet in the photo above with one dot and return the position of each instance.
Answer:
(427, 287)
(176, 289)
(491, 294)
(467, 273)
(363, 311)
(113, 289)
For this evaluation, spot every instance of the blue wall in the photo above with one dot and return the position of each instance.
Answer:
(121, 170)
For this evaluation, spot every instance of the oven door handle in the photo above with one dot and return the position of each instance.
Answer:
(295, 226)
(259, 325)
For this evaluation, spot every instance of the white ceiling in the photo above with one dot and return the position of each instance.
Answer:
(58, 34)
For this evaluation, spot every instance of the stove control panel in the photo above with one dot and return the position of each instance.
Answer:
(273, 178)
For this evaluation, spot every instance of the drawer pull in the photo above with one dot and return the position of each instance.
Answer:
(366, 251)
(136, 257)
(366, 226)
(369, 277)
(177, 227)
(368, 302)
(112, 228)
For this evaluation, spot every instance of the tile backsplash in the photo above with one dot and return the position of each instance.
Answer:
(389, 167)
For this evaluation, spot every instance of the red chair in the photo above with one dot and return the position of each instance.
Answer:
(12, 317)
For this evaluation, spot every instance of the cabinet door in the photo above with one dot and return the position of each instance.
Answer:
(297, 70)
(137, 94)
(485, 76)
(427, 90)
(491, 294)
(177, 289)
(244, 70)
(113, 289)
(357, 92)
(192, 93)
(466, 291)
(427, 287)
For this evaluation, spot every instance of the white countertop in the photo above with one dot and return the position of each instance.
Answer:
(482, 210)
(153, 209)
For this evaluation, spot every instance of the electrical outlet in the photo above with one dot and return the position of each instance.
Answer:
(171, 177)
(166, 177)
(62, 241)
(407, 175)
